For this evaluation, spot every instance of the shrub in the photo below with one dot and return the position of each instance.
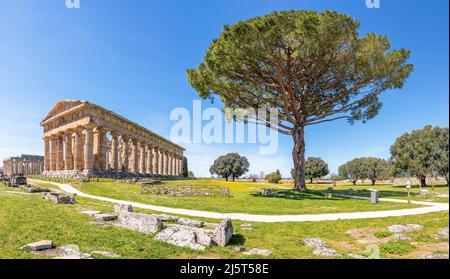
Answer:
(397, 247)
(383, 234)
(274, 177)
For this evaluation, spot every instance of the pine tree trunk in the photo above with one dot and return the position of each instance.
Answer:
(298, 155)
(311, 180)
(373, 182)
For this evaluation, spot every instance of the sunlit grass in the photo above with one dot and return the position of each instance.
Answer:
(245, 198)
(26, 218)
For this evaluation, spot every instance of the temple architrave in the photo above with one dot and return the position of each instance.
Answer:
(23, 164)
(82, 140)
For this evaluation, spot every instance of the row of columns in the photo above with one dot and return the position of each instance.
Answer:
(86, 149)
(19, 166)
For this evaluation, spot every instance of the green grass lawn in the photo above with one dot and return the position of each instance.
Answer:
(245, 198)
(26, 218)
(393, 191)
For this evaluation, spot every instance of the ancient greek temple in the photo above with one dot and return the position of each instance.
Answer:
(23, 164)
(82, 139)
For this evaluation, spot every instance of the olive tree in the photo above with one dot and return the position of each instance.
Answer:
(375, 168)
(352, 170)
(314, 168)
(422, 152)
(312, 67)
(230, 165)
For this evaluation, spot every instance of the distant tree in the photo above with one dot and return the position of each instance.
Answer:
(375, 168)
(191, 174)
(422, 152)
(274, 177)
(184, 169)
(440, 164)
(315, 168)
(352, 170)
(230, 165)
(313, 67)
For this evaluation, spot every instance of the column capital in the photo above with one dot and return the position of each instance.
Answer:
(114, 134)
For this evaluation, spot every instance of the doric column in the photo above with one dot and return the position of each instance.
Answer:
(134, 167)
(125, 154)
(77, 149)
(88, 149)
(142, 158)
(59, 153)
(180, 166)
(176, 165)
(156, 161)
(149, 169)
(161, 162)
(53, 154)
(47, 154)
(114, 152)
(100, 149)
(166, 163)
(68, 156)
(170, 168)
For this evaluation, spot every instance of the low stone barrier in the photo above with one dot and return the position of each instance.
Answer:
(60, 198)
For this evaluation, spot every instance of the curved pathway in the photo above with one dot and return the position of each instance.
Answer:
(428, 207)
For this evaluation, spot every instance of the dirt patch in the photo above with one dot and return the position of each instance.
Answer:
(426, 246)
(367, 235)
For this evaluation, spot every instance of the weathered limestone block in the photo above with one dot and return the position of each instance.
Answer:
(321, 247)
(38, 246)
(189, 222)
(442, 233)
(258, 252)
(122, 208)
(140, 222)
(202, 236)
(267, 192)
(184, 236)
(60, 198)
(403, 228)
(223, 232)
(166, 218)
(105, 217)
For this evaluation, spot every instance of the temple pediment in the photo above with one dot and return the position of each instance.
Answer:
(62, 106)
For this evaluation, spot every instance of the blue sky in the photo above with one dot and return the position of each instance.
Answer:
(131, 57)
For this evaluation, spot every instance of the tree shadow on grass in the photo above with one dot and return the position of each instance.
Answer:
(237, 239)
(299, 195)
(428, 187)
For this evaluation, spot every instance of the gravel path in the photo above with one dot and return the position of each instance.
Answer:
(428, 207)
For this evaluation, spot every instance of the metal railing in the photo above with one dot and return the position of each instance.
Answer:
(159, 188)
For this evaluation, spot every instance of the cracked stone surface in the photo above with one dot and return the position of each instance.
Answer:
(399, 236)
(181, 236)
(321, 247)
(105, 217)
(403, 228)
(38, 246)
